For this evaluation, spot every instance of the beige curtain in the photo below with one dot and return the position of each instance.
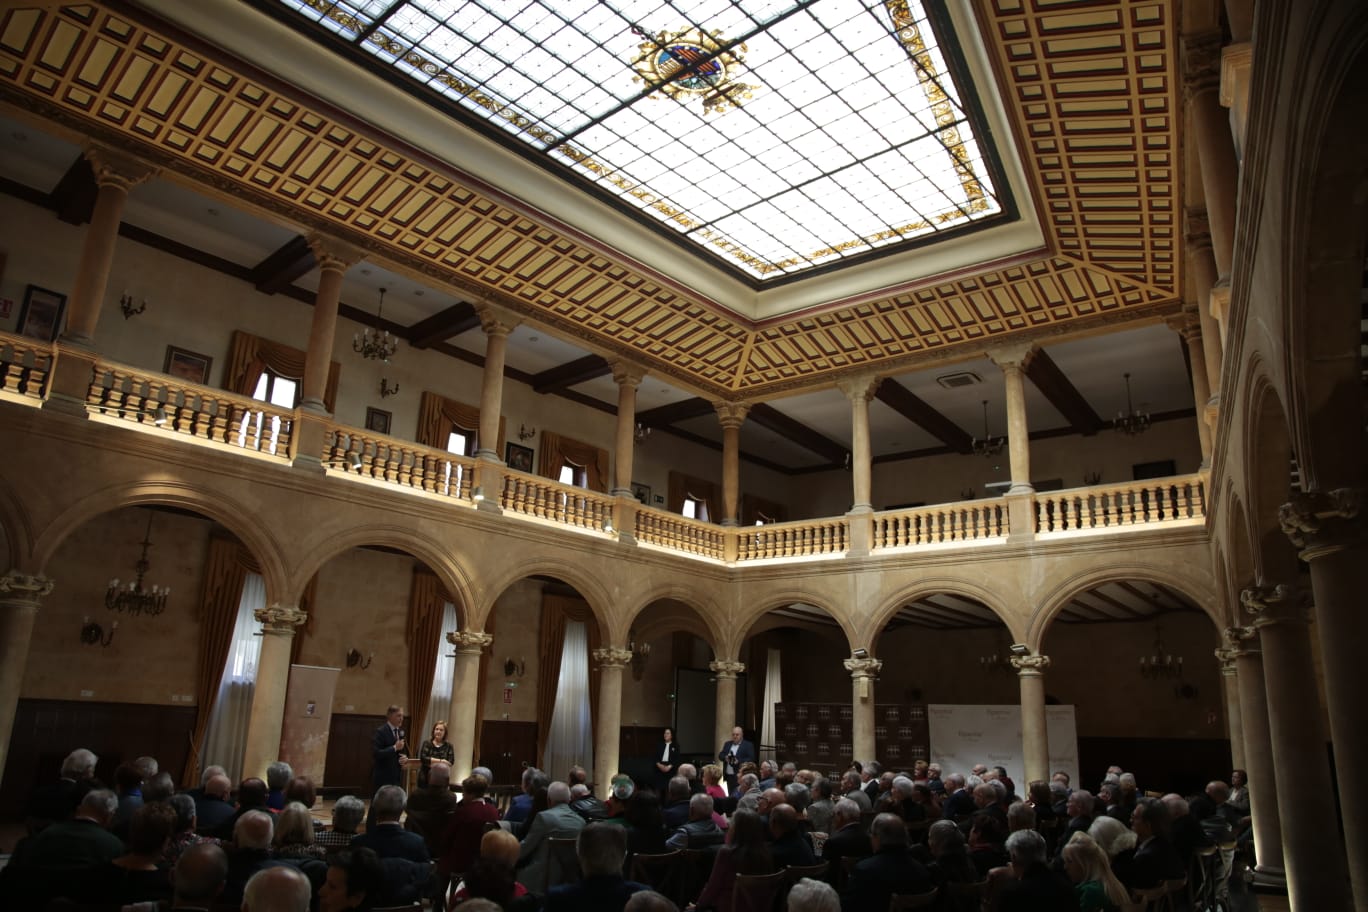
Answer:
(249, 355)
(556, 451)
(437, 414)
(556, 611)
(225, 570)
(424, 634)
(682, 486)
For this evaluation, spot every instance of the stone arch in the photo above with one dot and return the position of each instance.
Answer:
(257, 538)
(1243, 560)
(17, 530)
(1268, 473)
(1201, 591)
(929, 586)
(438, 559)
(747, 623)
(703, 613)
(587, 586)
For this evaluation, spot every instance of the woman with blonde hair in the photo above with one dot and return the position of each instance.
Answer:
(1096, 886)
(294, 834)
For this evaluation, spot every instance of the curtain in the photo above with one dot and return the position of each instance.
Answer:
(571, 734)
(227, 735)
(437, 414)
(557, 612)
(443, 673)
(556, 451)
(684, 486)
(774, 693)
(249, 355)
(218, 610)
(423, 631)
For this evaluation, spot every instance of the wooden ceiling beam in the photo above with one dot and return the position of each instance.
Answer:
(590, 367)
(683, 410)
(73, 199)
(767, 416)
(436, 329)
(283, 267)
(1063, 395)
(916, 410)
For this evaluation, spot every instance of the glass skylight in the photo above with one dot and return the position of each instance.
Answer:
(777, 136)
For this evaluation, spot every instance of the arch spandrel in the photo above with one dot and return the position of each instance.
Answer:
(17, 531)
(1198, 587)
(744, 625)
(703, 617)
(497, 580)
(990, 599)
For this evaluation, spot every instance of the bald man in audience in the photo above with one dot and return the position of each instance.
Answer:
(279, 889)
(558, 821)
(198, 877)
(250, 852)
(789, 847)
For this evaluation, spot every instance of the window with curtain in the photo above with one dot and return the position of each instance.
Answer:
(226, 737)
(258, 430)
(572, 474)
(695, 508)
(774, 693)
(571, 738)
(439, 705)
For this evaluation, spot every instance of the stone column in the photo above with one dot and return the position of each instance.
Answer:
(1332, 532)
(859, 390)
(725, 672)
(267, 715)
(465, 691)
(627, 377)
(1013, 362)
(20, 595)
(1035, 741)
(1188, 327)
(1214, 146)
(1317, 874)
(1230, 690)
(333, 258)
(497, 324)
(1243, 644)
(731, 415)
(863, 674)
(611, 660)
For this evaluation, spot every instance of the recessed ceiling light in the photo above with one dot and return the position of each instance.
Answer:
(532, 339)
(958, 379)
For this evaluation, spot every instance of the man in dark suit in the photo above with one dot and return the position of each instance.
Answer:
(388, 839)
(847, 840)
(960, 802)
(388, 748)
(789, 847)
(734, 753)
(891, 869)
(676, 810)
(212, 807)
(44, 864)
(1033, 887)
(58, 800)
(1155, 859)
(601, 848)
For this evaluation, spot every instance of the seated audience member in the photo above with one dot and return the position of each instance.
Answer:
(1213, 811)
(294, 834)
(810, 895)
(748, 791)
(389, 839)
(1080, 811)
(521, 804)
(491, 873)
(766, 775)
(213, 808)
(584, 803)
(278, 889)
(601, 850)
(1041, 800)
(649, 901)
(1239, 791)
(987, 801)
(208, 773)
(46, 864)
(620, 791)
(891, 869)
(430, 807)
(676, 808)
(48, 804)
(1059, 799)
(822, 807)
(578, 775)
(1020, 816)
(1185, 831)
(198, 877)
(798, 797)
(460, 842)
(712, 781)
(1095, 885)
(1033, 885)
(128, 786)
(250, 851)
(301, 789)
(788, 846)
(949, 856)
(959, 801)
(147, 767)
(871, 775)
(746, 852)
(934, 781)
(159, 788)
(699, 831)
(901, 799)
(690, 772)
(645, 823)
(184, 835)
(355, 880)
(251, 797)
(1108, 797)
(1115, 839)
(348, 813)
(1128, 792)
(847, 838)
(850, 788)
(136, 875)
(1155, 859)
(557, 821)
(987, 844)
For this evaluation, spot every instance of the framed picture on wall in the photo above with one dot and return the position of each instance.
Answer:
(41, 315)
(186, 365)
(518, 457)
(641, 492)
(378, 420)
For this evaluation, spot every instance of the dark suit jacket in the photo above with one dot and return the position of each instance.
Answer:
(960, 804)
(874, 880)
(850, 842)
(1154, 861)
(386, 769)
(792, 849)
(1038, 890)
(673, 761)
(211, 813)
(390, 840)
(745, 751)
(676, 815)
(593, 894)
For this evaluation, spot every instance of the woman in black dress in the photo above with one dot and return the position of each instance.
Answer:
(666, 760)
(437, 747)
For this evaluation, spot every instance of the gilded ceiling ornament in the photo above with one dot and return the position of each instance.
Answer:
(691, 63)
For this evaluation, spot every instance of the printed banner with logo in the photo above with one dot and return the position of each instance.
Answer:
(962, 736)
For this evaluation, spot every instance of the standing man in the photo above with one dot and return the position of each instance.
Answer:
(388, 748)
(734, 753)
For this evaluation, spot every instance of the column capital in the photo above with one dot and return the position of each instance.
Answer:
(25, 586)
(280, 620)
(1186, 324)
(732, 414)
(1279, 604)
(116, 169)
(726, 669)
(863, 668)
(1219, 303)
(1226, 658)
(1030, 665)
(1322, 522)
(469, 642)
(1236, 62)
(333, 255)
(494, 320)
(612, 657)
(1201, 62)
(859, 388)
(1239, 641)
(626, 373)
(1013, 357)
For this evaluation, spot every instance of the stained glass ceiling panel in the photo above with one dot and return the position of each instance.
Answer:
(776, 136)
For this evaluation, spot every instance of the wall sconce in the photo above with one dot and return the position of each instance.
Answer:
(512, 668)
(386, 390)
(126, 305)
(640, 433)
(354, 660)
(526, 433)
(92, 633)
(640, 652)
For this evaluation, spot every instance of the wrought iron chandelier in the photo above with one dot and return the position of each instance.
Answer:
(376, 344)
(640, 652)
(1160, 664)
(1131, 422)
(988, 445)
(135, 598)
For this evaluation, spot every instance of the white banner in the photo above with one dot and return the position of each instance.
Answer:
(962, 736)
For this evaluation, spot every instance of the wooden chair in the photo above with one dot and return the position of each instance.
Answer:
(696, 867)
(564, 867)
(901, 902)
(1149, 898)
(1175, 894)
(848, 864)
(964, 897)
(663, 873)
(757, 892)
(798, 872)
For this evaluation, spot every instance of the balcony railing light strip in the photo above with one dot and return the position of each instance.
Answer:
(398, 462)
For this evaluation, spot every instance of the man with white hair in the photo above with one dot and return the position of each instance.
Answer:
(810, 895)
(83, 842)
(57, 801)
(700, 831)
(959, 801)
(851, 788)
(558, 821)
(388, 839)
(1033, 885)
(250, 852)
(283, 888)
(847, 840)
